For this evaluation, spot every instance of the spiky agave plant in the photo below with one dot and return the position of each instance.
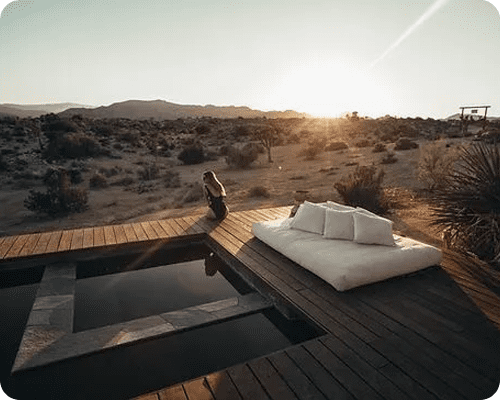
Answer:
(468, 207)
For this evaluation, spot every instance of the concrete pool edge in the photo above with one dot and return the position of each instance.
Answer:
(49, 337)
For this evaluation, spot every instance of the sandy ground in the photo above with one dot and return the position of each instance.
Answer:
(288, 173)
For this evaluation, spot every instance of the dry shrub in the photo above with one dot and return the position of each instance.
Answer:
(379, 148)
(405, 144)
(171, 179)
(98, 181)
(362, 143)
(258, 191)
(148, 172)
(192, 154)
(363, 188)
(389, 158)
(193, 193)
(436, 163)
(60, 198)
(126, 181)
(73, 145)
(335, 146)
(239, 158)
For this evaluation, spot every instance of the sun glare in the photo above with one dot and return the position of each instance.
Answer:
(330, 91)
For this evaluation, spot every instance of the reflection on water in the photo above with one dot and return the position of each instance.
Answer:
(110, 299)
(212, 264)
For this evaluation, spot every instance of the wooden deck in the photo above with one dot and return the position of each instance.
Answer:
(430, 335)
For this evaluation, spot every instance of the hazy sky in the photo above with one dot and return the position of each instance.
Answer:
(325, 57)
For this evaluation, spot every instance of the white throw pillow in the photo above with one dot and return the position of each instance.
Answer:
(339, 224)
(371, 229)
(362, 210)
(310, 217)
(339, 207)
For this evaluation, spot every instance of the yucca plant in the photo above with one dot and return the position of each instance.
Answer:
(468, 207)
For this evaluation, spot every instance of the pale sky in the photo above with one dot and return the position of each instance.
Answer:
(324, 57)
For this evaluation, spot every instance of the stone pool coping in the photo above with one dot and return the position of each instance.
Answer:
(49, 336)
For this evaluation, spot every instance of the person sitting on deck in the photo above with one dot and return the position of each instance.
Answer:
(215, 195)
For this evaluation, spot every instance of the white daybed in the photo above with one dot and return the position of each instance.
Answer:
(346, 247)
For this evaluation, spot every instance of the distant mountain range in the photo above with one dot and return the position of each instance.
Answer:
(35, 110)
(141, 109)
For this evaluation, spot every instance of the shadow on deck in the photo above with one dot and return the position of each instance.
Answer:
(434, 334)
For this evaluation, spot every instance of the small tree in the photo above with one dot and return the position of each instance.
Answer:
(268, 136)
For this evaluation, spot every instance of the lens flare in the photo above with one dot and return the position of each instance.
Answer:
(425, 16)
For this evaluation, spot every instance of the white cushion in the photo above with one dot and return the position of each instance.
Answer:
(310, 217)
(339, 207)
(372, 229)
(362, 210)
(346, 264)
(339, 224)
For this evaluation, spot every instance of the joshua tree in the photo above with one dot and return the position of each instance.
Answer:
(268, 136)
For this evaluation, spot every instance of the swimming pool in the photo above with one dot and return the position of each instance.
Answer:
(138, 322)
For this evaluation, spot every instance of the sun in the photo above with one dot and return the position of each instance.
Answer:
(330, 90)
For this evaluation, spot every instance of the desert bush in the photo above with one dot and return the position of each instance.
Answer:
(126, 181)
(3, 164)
(71, 145)
(293, 138)
(148, 172)
(435, 164)
(405, 144)
(258, 191)
(171, 179)
(389, 158)
(75, 176)
(379, 148)
(335, 146)
(60, 197)
(239, 159)
(254, 147)
(241, 131)
(314, 147)
(468, 206)
(363, 188)
(362, 143)
(202, 129)
(58, 125)
(192, 154)
(194, 192)
(98, 181)
(109, 172)
(390, 136)
(131, 137)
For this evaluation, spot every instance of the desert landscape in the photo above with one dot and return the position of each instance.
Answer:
(140, 169)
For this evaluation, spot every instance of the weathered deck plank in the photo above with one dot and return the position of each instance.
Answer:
(120, 235)
(77, 239)
(99, 239)
(17, 246)
(30, 245)
(88, 238)
(109, 235)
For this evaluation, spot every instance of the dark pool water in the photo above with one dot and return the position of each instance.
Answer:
(110, 299)
(129, 371)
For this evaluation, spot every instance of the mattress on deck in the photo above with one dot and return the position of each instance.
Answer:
(343, 263)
